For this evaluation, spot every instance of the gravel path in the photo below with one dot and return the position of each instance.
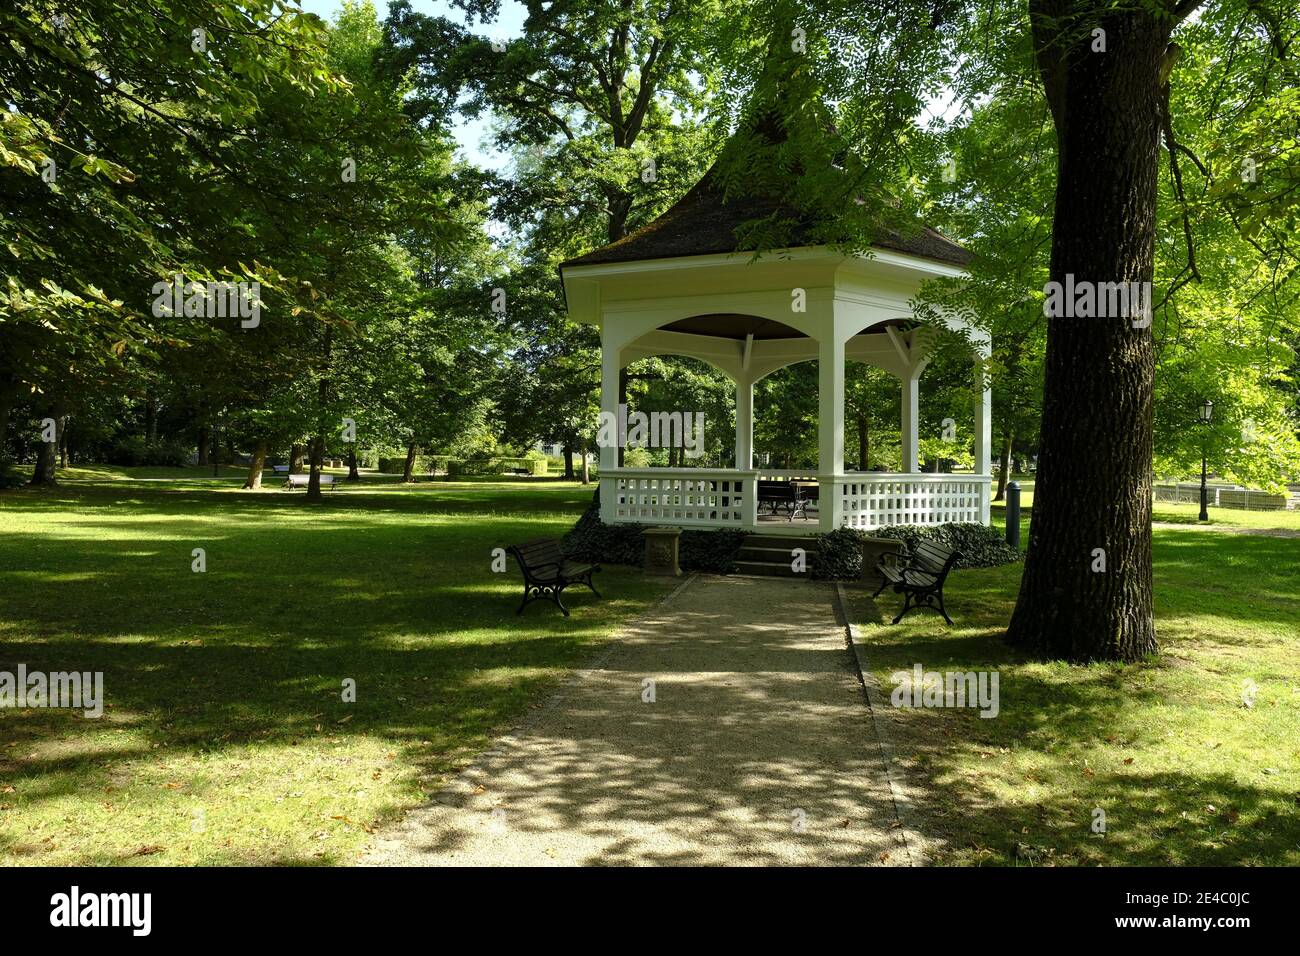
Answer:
(757, 750)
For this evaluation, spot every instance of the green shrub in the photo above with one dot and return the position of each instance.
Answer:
(457, 468)
(839, 553)
(713, 551)
(980, 545)
(593, 541)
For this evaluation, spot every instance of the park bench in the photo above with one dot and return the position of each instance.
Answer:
(547, 572)
(918, 576)
(776, 495)
(280, 469)
(303, 480)
(521, 471)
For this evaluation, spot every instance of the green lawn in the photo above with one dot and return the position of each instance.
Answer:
(1186, 773)
(225, 737)
(1188, 513)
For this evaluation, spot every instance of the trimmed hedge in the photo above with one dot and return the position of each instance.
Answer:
(494, 466)
(594, 541)
(424, 464)
(839, 553)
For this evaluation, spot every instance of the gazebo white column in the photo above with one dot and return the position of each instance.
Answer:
(830, 426)
(983, 424)
(911, 386)
(610, 365)
(744, 425)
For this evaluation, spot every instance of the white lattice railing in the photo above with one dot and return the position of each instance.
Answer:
(878, 499)
(679, 496)
(724, 498)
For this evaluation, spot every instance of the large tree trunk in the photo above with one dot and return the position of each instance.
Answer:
(1092, 499)
(353, 473)
(568, 462)
(1004, 473)
(317, 457)
(295, 460)
(47, 457)
(254, 479)
(203, 445)
(586, 465)
(8, 393)
(408, 470)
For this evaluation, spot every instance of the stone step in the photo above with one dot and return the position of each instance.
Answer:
(764, 552)
(771, 569)
(787, 541)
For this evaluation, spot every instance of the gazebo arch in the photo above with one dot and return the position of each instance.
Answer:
(681, 286)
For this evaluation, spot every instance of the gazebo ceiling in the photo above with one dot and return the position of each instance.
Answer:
(721, 325)
(738, 327)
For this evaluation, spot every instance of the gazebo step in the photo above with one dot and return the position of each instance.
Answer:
(780, 552)
(785, 541)
(771, 555)
(771, 569)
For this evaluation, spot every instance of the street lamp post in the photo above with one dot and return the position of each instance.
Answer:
(1207, 412)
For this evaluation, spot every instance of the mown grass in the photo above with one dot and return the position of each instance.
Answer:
(1189, 513)
(1186, 772)
(225, 737)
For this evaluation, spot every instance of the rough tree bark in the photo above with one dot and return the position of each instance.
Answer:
(408, 469)
(354, 474)
(1004, 473)
(203, 445)
(586, 465)
(317, 459)
(295, 460)
(1093, 488)
(47, 457)
(568, 462)
(255, 466)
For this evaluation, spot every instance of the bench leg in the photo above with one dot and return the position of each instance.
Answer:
(555, 596)
(884, 583)
(943, 610)
(907, 606)
(593, 587)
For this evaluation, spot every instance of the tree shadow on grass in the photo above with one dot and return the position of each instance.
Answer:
(1140, 743)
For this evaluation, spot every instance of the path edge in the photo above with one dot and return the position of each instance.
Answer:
(903, 807)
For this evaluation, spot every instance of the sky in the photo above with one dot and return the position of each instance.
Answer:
(470, 135)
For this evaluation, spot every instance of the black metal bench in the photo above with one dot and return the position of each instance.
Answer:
(547, 572)
(918, 576)
(781, 494)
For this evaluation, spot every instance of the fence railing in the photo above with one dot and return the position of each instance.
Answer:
(879, 499)
(726, 498)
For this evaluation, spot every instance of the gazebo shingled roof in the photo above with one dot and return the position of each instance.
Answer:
(704, 222)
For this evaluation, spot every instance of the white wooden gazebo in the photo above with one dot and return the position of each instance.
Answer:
(679, 286)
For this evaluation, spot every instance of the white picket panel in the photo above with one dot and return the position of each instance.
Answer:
(693, 497)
